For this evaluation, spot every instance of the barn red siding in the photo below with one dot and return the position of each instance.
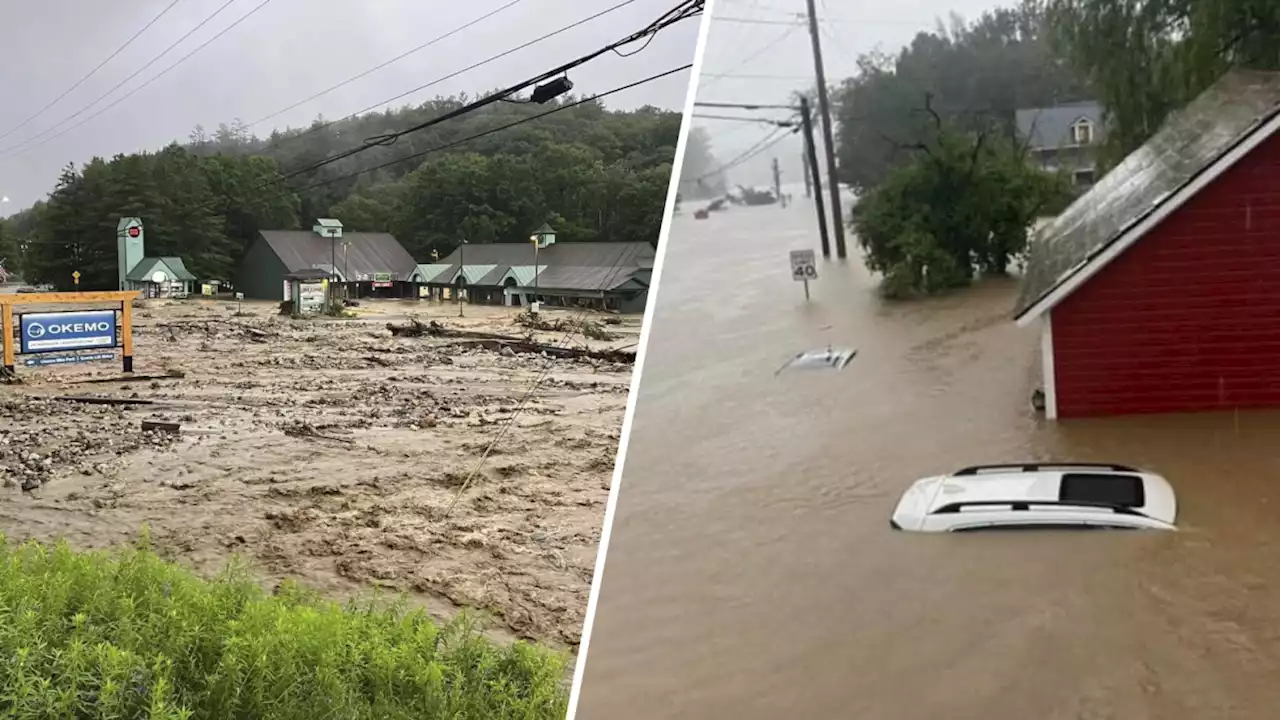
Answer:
(1188, 319)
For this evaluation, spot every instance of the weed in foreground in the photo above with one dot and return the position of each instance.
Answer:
(125, 634)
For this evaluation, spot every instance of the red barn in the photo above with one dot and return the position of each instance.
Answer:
(1159, 290)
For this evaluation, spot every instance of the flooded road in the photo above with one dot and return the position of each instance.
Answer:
(752, 573)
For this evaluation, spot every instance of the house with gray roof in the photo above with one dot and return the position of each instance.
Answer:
(602, 275)
(1064, 138)
(362, 264)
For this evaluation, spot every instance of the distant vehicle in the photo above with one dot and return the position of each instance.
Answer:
(27, 289)
(1037, 496)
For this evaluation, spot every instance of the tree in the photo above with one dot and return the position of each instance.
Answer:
(10, 250)
(594, 174)
(697, 175)
(960, 206)
(977, 74)
(1147, 58)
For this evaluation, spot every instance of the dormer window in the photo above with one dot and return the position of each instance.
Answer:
(1082, 132)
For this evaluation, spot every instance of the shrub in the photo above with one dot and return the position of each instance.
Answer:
(126, 634)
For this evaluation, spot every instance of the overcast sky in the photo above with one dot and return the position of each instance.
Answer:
(287, 51)
(775, 60)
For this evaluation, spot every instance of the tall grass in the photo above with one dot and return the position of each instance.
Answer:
(126, 634)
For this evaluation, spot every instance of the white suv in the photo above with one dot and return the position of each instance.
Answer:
(1037, 496)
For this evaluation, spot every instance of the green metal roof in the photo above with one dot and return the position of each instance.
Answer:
(428, 273)
(171, 266)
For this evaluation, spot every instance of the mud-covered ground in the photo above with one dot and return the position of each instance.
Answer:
(330, 451)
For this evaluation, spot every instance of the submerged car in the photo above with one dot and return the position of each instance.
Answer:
(1038, 496)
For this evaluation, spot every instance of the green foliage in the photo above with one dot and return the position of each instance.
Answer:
(202, 209)
(977, 74)
(1147, 58)
(10, 249)
(962, 205)
(128, 635)
(594, 174)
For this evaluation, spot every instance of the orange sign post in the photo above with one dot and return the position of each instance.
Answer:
(9, 319)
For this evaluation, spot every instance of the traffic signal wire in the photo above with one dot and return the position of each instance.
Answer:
(91, 73)
(6, 151)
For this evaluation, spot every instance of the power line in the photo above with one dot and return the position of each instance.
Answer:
(120, 84)
(393, 60)
(766, 48)
(491, 131)
(752, 21)
(766, 121)
(92, 72)
(492, 58)
(736, 76)
(769, 141)
(744, 106)
(683, 11)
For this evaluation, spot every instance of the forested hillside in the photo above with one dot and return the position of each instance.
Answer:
(594, 174)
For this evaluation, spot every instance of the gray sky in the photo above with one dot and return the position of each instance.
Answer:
(285, 52)
(770, 75)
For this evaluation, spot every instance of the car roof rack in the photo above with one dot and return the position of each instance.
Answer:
(1040, 467)
(1025, 505)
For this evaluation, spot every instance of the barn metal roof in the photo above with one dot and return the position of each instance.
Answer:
(365, 254)
(1190, 144)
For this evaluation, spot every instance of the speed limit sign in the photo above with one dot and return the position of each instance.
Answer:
(804, 265)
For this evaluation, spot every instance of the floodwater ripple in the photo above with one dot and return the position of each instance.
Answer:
(752, 573)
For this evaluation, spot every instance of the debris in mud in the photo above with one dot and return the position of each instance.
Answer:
(302, 429)
(590, 330)
(99, 400)
(507, 344)
(388, 429)
(156, 426)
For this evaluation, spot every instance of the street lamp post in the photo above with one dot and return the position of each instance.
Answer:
(462, 272)
(540, 238)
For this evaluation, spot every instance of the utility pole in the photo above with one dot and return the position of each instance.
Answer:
(777, 184)
(808, 182)
(828, 137)
(811, 152)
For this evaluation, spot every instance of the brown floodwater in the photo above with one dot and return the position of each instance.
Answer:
(752, 572)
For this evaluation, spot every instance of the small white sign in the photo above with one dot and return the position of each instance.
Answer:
(804, 265)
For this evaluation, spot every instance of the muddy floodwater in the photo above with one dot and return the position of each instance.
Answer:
(331, 452)
(752, 572)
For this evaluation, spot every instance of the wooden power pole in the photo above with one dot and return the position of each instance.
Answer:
(777, 184)
(828, 137)
(814, 176)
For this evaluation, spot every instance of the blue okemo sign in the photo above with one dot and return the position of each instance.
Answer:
(66, 331)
